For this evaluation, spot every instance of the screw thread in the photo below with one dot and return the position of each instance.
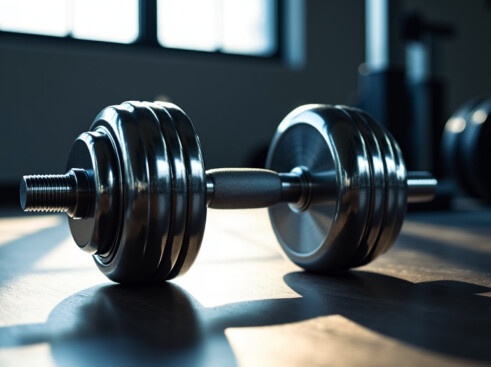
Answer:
(48, 193)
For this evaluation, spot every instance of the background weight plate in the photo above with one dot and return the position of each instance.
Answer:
(452, 143)
(475, 150)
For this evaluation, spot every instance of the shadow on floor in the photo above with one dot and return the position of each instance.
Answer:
(165, 325)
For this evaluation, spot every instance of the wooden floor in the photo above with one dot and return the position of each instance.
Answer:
(427, 302)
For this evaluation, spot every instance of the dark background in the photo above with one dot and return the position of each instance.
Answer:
(50, 91)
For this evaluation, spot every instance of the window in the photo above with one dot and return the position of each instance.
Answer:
(31, 16)
(105, 20)
(100, 20)
(247, 27)
(230, 26)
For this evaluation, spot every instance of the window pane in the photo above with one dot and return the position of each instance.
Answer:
(105, 20)
(189, 24)
(233, 26)
(249, 27)
(46, 17)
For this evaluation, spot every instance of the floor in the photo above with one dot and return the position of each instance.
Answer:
(426, 302)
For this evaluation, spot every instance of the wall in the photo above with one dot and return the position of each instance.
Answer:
(49, 94)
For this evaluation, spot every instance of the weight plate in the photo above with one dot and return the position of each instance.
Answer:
(395, 188)
(401, 174)
(452, 150)
(377, 183)
(475, 144)
(176, 207)
(98, 232)
(196, 211)
(138, 141)
(321, 140)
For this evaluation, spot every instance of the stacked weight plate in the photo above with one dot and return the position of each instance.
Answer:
(466, 147)
(359, 167)
(163, 214)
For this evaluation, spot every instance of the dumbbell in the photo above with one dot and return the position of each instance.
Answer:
(136, 191)
(466, 147)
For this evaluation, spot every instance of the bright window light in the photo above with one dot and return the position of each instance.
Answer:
(188, 24)
(101, 20)
(248, 27)
(232, 26)
(47, 17)
(105, 20)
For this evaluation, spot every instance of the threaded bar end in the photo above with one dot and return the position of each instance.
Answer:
(48, 193)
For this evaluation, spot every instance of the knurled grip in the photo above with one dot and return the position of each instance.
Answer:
(236, 188)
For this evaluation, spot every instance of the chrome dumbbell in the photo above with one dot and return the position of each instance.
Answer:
(136, 190)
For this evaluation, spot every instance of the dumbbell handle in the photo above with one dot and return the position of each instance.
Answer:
(236, 188)
(240, 188)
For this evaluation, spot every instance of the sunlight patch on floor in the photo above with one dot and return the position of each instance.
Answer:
(12, 229)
